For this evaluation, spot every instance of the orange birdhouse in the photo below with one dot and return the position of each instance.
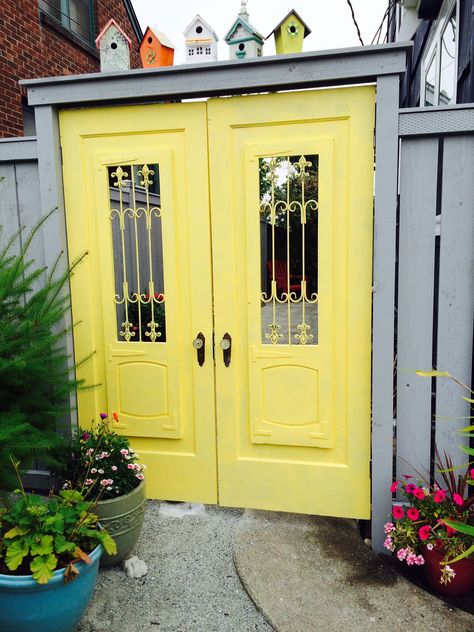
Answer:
(156, 49)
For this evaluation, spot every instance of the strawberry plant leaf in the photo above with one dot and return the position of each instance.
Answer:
(42, 568)
(42, 545)
(16, 551)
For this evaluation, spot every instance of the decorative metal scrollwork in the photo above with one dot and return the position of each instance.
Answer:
(285, 182)
(137, 246)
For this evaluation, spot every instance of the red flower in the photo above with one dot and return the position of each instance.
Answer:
(410, 488)
(393, 486)
(398, 512)
(458, 500)
(424, 532)
(115, 416)
(472, 473)
(439, 496)
(407, 476)
(418, 493)
(450, 531)
(85, 436)
(413, 513)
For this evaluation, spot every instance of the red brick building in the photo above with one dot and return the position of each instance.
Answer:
(43, 38)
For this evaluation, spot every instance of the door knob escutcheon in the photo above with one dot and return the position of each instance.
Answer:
(226, 346)
(199, 343)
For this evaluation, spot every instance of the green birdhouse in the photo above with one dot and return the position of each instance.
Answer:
(290, 33)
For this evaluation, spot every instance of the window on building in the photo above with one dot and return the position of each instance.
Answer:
(208, 50)
(191, 52)
(76, 16)
(440, 59)
(199, 50)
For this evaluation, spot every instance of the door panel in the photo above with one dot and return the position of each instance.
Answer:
(291, 198)
(136, 192)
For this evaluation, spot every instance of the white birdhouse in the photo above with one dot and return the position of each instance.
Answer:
(244, 40)
(201, 41)
(114, 46)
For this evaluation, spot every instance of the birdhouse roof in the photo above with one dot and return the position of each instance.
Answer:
(110, 23)
(160, 36)
(198, 17)
(247, 26)
(307, 30)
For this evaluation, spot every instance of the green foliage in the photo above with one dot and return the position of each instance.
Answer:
(99, 462)
(40, 535)
(34, 379)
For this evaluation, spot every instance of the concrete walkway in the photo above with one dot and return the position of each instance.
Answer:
(304, 573)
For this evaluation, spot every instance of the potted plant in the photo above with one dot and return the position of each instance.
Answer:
(49, 556)
(104, 464)
(430, 530)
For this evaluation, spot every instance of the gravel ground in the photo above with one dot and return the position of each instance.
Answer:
(191, 585)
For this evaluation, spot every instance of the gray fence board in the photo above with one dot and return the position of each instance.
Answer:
(456, 292)
(9, 219)
(415, 302)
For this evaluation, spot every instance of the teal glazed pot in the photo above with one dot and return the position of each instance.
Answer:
(26, 606)
(123, 519)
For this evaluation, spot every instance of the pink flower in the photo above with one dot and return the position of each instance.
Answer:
(413, 513)
(104, 482)
(100, 471)
(103, 415)
(397, 512)
(472, 473)
(424, 532)
(410, 558)
(388, 544)
(389, 527)
(439, 496)
(137, 466)
(419, 560)
(131, 466)
(89, 481)
(402, 553)
(124, 451)
(94, 470)
(140, 476)
(418, 493)
(458, 500)
(429, 546)
(393, 486)
(85, 436)
(114, 468)
(410, 488)
(89, 451)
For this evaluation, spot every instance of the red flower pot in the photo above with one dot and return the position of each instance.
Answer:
(461, 584)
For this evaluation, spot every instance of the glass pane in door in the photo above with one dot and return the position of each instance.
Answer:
(289, 249)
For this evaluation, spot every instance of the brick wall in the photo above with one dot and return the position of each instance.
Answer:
(31, 47)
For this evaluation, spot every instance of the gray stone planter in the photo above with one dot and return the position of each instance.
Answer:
(123, 519)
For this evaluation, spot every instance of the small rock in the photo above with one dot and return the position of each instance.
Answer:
(135, 567)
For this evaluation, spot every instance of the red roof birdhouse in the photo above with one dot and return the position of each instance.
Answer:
(156, 49)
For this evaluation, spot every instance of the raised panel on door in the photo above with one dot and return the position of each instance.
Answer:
(291, 197)
(137, 200)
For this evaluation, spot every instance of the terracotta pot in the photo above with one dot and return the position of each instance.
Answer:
(461, 584)
(123, 519)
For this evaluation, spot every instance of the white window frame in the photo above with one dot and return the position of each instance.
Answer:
(433, 49)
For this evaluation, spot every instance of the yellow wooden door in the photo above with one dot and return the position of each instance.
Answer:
(291, 197)
(136, 195)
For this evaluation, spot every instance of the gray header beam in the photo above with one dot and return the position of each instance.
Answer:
(431, 121)
(362, 64)
(17, 149)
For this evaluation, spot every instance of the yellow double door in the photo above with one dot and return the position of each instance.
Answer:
(226, 293)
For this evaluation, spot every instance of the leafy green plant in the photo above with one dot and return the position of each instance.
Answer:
(34, 378)
(40, 535)
(99, 462)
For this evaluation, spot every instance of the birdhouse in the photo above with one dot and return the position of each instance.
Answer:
(290, 33)
(243, 39)
(201, 42)
(156, 49)
(114, 46)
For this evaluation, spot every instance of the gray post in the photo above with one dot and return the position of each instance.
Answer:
(383, 302)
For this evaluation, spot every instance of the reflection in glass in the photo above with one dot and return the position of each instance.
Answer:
(430, 79)
(289, 249)
(448, 56)
(135, 214)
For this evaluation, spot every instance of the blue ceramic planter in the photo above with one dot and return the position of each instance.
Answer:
(26, 606)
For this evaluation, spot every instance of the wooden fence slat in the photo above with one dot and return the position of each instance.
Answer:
(8, 203)
(418, 178)
(456, 291)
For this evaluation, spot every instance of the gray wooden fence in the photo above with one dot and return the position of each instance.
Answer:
(433, 300)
